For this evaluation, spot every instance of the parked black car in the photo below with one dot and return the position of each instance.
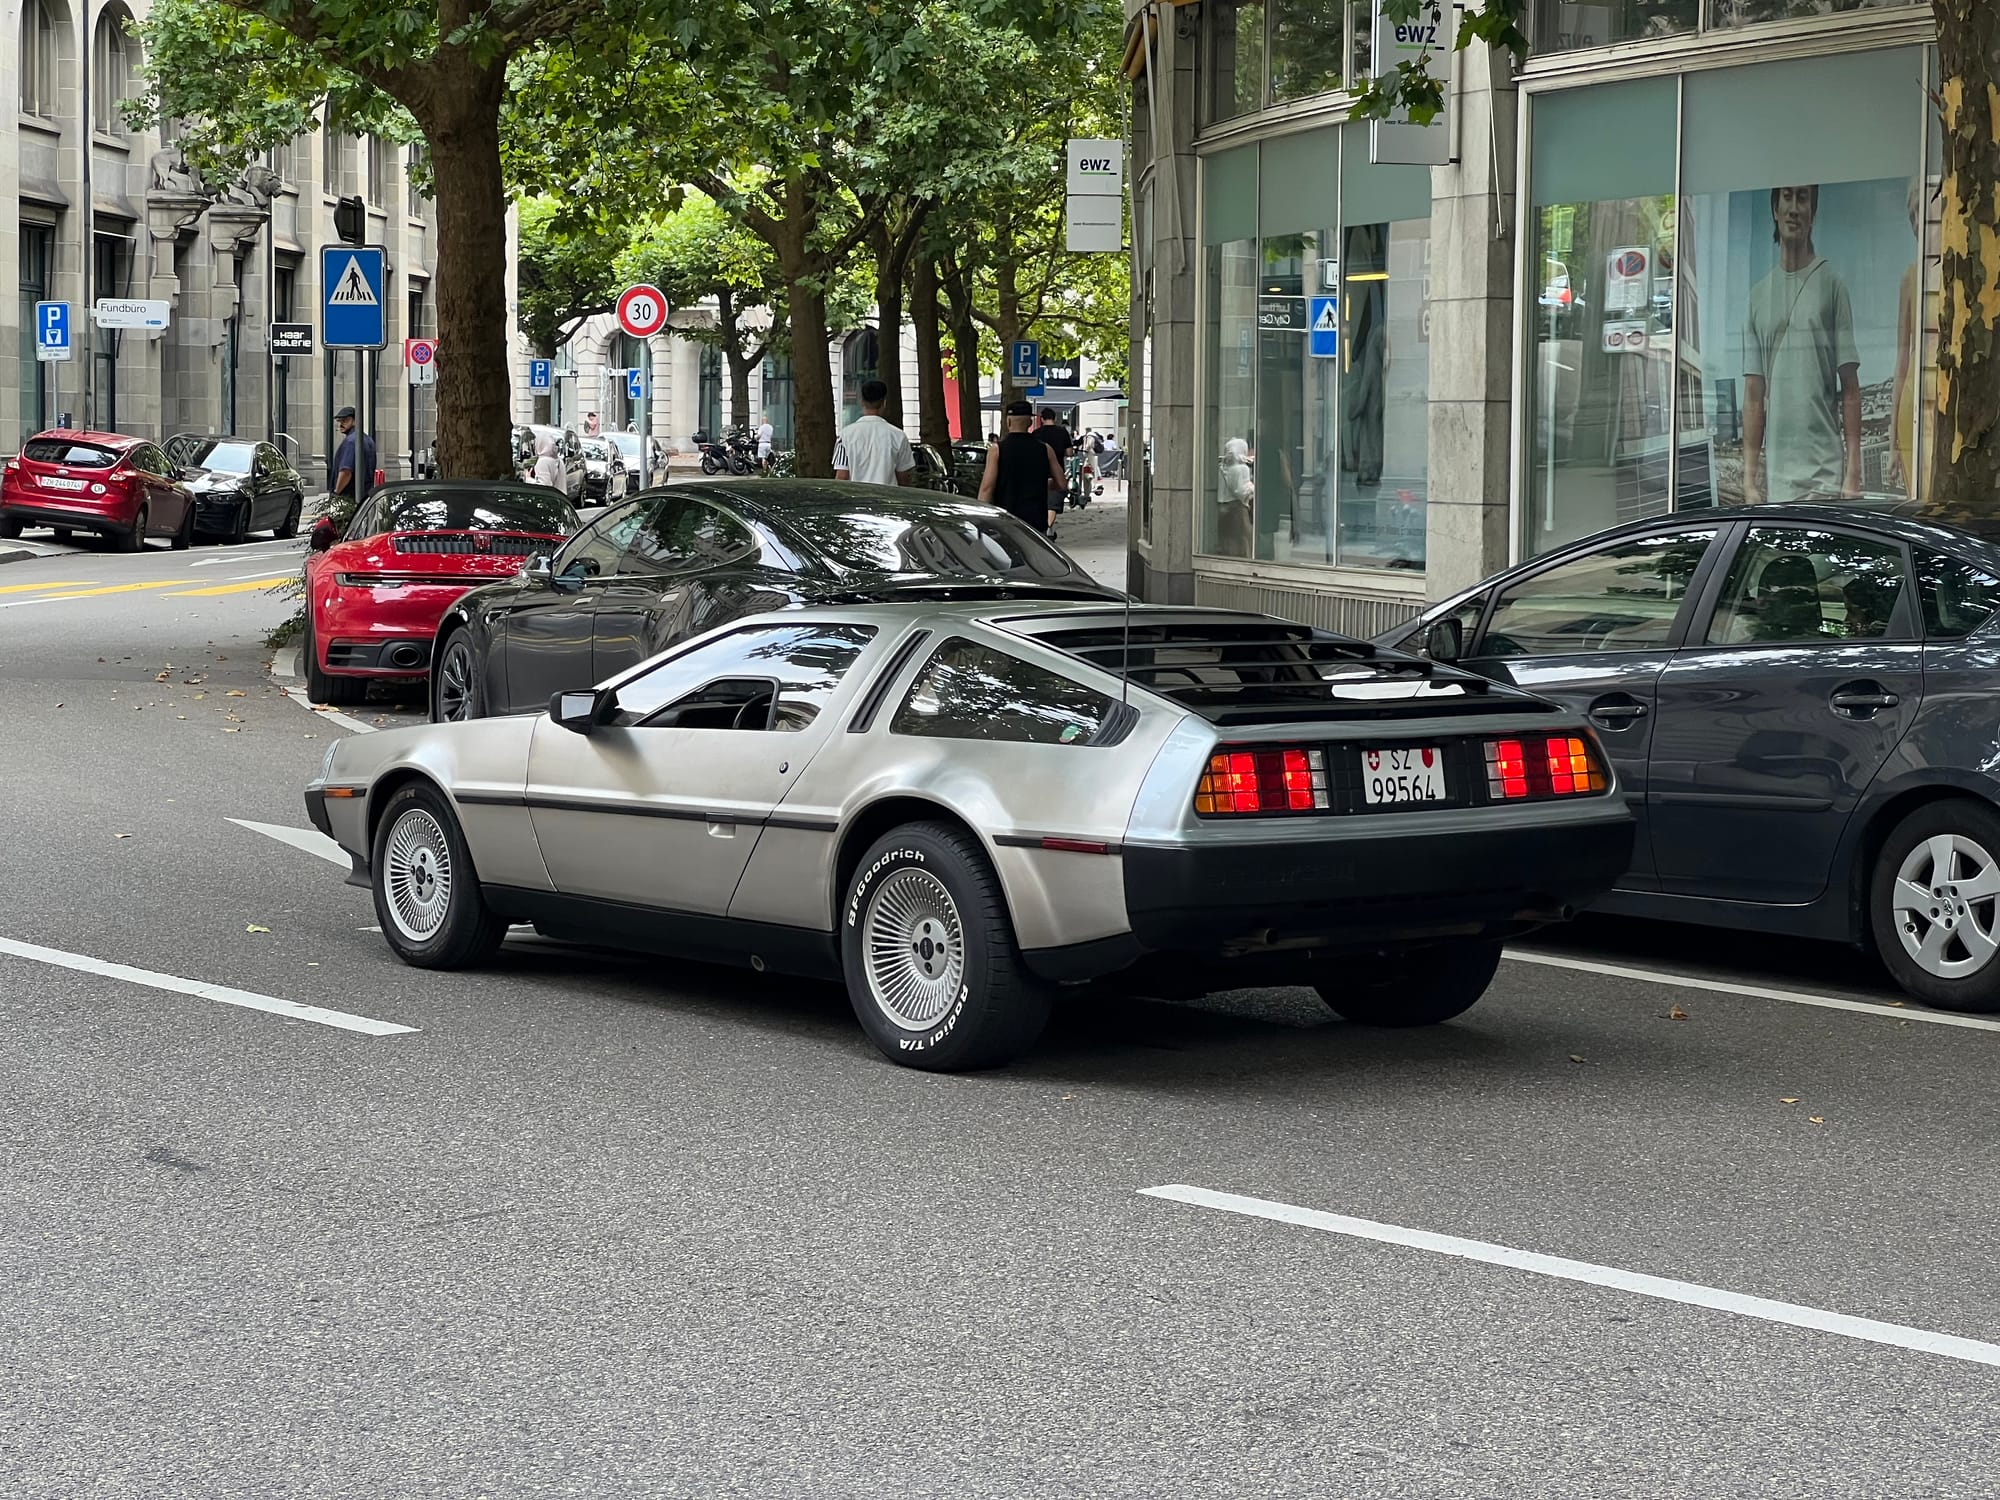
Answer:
(968, 465)
(934, 471)
(668, 565)
(240, 484)
(1801, 703)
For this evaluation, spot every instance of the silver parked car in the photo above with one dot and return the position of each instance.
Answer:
(956, 807)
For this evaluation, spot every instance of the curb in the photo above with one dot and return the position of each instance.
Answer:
(284, 670)
(16, 554)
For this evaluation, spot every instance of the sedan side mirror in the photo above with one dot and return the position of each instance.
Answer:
(582, 711)
(1444, 640)
(541, 569)
(324, 534)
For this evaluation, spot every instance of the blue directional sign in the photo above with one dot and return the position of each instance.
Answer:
(52, 330)
(351, 296)
(1323, 327)
(541, 374)
(635, 384)
(1024, 360)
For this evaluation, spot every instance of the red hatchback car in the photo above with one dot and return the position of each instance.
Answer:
(122, 488)
(375, 595)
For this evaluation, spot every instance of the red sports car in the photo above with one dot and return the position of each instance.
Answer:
(374, 596)
(122, 488)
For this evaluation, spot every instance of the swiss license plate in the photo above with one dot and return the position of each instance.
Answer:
(1391, 776)
(57, 482)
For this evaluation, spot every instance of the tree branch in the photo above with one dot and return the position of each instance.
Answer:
(303, 24)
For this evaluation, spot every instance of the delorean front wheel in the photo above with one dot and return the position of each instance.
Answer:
(933, 970)
(427, 894)
(1410, 986)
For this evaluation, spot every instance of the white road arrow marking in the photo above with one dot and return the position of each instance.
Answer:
(309, 839)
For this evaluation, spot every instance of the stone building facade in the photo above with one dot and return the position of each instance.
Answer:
(90, 208)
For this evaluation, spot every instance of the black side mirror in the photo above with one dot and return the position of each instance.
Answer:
(324, 534)
(540, 569)
(581, 711)
(570, 579)
(1444, 640)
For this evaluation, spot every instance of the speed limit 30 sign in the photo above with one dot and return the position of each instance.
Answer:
(642, 311)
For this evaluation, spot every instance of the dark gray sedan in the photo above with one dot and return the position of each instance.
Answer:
(1803, 703)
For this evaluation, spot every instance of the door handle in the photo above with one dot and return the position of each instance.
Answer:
(1617, 715)
(1862, 699)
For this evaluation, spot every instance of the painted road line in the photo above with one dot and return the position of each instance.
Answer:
(285, 664)
(264, 582)
(46, 587)
(309, 839)
(1920, 1340)
(1757, 991)
(222, 994)
(92, 593)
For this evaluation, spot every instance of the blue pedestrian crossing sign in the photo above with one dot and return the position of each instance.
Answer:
(351, 297)
(1323, 327)
(1024, 360)
(541, 374)
(635, 384)
(52, 331)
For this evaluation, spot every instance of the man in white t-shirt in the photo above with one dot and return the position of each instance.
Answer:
(871, 451)
(766, 436)
(1802, 371)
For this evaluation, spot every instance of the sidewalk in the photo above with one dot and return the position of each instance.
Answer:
(1095, 536)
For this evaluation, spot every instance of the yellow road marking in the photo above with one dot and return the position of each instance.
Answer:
(231, 588)
(117, 588)
(45, 586)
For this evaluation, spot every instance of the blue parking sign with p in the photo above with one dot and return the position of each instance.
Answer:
(541, 374)
(52, 330)
(1025, 361)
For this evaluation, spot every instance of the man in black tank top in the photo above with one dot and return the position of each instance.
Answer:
(1022, 474)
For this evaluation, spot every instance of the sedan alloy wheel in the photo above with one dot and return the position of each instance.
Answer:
(1947, 905)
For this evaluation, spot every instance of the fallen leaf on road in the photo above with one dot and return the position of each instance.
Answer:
(121, 835)
(161, 676)
(236, 693)
(1575, 1057)
(253, 927)
(1899, 1004)
(228, 730)
(180, 716)
(380, 720)
(1677, 1014)
(1817, 1119)
(1788, 1101)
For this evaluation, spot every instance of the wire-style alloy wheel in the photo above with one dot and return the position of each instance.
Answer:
(915, 953)
(1947, 905)
(416, 875)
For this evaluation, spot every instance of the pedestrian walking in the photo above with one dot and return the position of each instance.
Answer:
(590, 424)
(872, 451)
(346, 468)
(766, 436)
(1022, 474)
(1048, 429)
(548, 468)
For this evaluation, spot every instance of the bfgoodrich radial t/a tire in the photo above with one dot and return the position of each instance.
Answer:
(933, 970)
(1934, 905)
(427, 894)
(1411, 986)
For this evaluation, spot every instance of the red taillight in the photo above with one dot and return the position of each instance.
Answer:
(1274, 780)
(1566, 766)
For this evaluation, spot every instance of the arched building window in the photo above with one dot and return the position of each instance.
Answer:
(41, 52)
(115, 63)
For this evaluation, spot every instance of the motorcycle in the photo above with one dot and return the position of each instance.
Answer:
(724, 457)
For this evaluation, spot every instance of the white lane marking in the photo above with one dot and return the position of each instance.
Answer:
(1921, 1340)
(309, 839)
(1758, 992)
(285, 663)
(222, 994)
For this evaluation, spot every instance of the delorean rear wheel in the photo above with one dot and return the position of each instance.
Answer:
(933, 971)
(1411, 986)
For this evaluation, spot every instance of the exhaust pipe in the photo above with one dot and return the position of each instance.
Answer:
(407, 655)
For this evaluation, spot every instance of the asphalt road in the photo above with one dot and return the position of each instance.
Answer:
(603, 1227)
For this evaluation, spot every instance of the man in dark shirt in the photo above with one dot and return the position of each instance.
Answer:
(345, 471)
(1049, 428)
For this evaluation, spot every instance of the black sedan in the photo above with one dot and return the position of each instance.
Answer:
(1800, 701)
(668, 565)
(240, 485)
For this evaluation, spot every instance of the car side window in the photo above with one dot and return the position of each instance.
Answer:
(769, 677)
(688, 534)
(968, 691)
(149, 460)
(1795, 585)
(1625, 597)
(595, 551)
(1958, 596)
(1467, 614)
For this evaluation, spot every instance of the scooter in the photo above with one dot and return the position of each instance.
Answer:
(718, 458)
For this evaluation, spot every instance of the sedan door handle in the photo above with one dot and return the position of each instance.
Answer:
(1859, 701)
(1615, 715)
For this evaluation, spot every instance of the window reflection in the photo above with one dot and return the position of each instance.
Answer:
(972, 692)
(711, 686)
(1624, 598)
(1795, 587)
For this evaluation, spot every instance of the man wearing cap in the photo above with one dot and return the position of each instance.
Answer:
(343, 459)
(1022, 473)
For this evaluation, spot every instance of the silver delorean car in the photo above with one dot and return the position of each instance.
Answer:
(959, 808)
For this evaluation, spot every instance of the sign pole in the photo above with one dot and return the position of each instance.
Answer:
(646, 415)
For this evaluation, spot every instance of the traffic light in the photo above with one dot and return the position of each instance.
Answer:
(350, 221)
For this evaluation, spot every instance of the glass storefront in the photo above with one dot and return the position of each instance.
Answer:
(1573, 25)
(1317, 366)
(1731, 290)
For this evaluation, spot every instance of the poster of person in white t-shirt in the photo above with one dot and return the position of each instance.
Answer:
(1802, 383)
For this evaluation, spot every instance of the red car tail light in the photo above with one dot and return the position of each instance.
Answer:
(1275, 779)
(1538, 769)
